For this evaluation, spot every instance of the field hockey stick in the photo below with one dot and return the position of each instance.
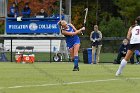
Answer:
(85, 18)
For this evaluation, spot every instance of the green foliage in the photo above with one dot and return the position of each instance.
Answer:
(105, 10)
(113, 27)
(77, 14)
(50, 6)
(91, 19)
(128, 8)
(1, 27)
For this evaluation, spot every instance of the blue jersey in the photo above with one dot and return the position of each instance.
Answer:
(71, 40)
(13, 11)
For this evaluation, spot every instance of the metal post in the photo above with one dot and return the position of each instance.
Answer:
(70, 11)
(60, 9)
(11, 51)
(60, 13)
(50, 50)
(6, 3)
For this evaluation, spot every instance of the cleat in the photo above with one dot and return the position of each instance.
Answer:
(137, 63)
(75, 69)
(78, 68)
(118, 73)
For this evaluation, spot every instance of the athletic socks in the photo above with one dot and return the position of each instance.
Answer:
(76, 59)
(122, 65)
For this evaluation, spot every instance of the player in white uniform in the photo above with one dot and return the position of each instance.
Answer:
(134, 37)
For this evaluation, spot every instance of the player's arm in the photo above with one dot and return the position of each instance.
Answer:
(73, 27)
(129, 33)
(83, 28)
(64, 32)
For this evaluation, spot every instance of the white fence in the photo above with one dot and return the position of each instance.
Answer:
(39, 45)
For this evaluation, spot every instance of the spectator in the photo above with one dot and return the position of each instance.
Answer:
(26, 11)
(62, 14)
(13, 10)
(96, 37)
(137, 53)
(122, 52)
(57, 15)
(42, 13)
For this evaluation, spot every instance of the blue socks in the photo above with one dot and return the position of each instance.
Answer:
(76, 59)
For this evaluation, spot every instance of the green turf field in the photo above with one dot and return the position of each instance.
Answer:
(59, 78)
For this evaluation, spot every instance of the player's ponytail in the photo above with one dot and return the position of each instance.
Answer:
(138, 20)
(60, 26)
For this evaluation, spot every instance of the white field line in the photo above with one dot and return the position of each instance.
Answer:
(68, 83)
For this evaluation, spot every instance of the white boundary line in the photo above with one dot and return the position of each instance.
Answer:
(68, 83)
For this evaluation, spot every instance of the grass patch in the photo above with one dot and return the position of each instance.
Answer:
(45, 57)
(59, 78)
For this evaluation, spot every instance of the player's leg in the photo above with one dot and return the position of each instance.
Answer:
(98, 53)
(93, 54)
(138, 58)
(76, 57)
(120, 55)
(124, 62)
(132, 59)
(71, 50)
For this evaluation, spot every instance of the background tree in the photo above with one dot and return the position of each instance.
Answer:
(50, 6)
(110, 12)
(98, 10)
(128, 9)
(78, 13)
(113, 27)
(2, 27)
